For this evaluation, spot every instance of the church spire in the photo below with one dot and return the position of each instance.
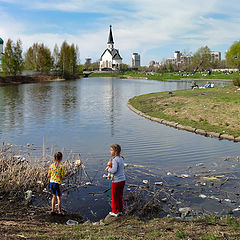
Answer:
(110, 37)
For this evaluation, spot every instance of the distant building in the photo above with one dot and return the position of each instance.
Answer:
(152, 63)
(177, 55)
(87, 62)
(110, 59)
(1, 51)
(186, 59)
(135, 60)
(179, 59)
(171, 60)
(215, 56)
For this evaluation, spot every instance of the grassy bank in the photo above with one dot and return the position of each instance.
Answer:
(169, 76)
(105, 74)
(213, 110)
(179, 76)
(28, 222)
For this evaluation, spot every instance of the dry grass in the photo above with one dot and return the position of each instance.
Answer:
(18, 176)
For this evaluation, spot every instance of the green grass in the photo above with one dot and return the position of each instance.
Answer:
(213, 110)
(177, 76)
(110, 74)
(166, 76)
(129, 228)
(181, 234)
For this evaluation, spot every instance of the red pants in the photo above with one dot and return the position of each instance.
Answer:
(117, 196)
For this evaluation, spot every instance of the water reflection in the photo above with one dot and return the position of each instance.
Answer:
(87, 115)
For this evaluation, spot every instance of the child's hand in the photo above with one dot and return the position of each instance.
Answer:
(106, 169)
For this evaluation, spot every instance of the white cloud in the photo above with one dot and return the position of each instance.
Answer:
(138, 25)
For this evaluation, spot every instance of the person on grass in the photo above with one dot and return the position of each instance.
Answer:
(56, 174)
(118, 181)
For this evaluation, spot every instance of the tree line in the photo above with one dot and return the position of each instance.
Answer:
(61, 62)
(65, 62)
(202, 60)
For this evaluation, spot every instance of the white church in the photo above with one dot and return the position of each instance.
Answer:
(110, 59)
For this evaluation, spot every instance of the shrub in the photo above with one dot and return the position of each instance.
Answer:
(236, 82)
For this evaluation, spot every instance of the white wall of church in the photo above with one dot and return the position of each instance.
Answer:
(106, 60)
(107, 56)
(118, 61)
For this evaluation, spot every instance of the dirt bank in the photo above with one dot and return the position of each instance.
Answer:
(28, 79)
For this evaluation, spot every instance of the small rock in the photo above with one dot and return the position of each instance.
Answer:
(28, 195)
(184, 211)
(71, 222)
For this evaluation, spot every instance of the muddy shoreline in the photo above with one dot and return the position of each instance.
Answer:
(36, 78)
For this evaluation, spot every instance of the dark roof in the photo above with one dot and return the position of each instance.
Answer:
(110, 37)
(115, 54)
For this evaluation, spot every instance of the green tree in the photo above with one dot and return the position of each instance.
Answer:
(68, 59)
(44, 61)
(30, 59)
(125, 67)
(73, 59)
(7, 58)
(202, 58)
(233, 55)
(38, 58)
(170, 67)
(94, 66)
(12, 60)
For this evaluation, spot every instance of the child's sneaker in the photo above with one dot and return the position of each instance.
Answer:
(113, 214)
(120, 213)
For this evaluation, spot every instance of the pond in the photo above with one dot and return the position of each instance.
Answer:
(87, 115)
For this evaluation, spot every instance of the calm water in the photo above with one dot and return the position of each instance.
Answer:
(87, 115)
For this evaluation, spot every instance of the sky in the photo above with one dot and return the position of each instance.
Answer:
(152, 28)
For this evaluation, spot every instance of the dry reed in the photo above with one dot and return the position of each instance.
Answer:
(20, 171)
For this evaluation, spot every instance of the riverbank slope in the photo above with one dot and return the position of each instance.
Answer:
(32, 79)
(216, 76)
(213, 110)
(28, 222)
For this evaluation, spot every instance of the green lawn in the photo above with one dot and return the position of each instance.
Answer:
(213, 109)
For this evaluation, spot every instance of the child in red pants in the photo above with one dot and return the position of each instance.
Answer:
(118, 181)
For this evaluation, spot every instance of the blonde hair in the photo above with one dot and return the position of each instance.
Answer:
(116, 148)
(58, 156)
